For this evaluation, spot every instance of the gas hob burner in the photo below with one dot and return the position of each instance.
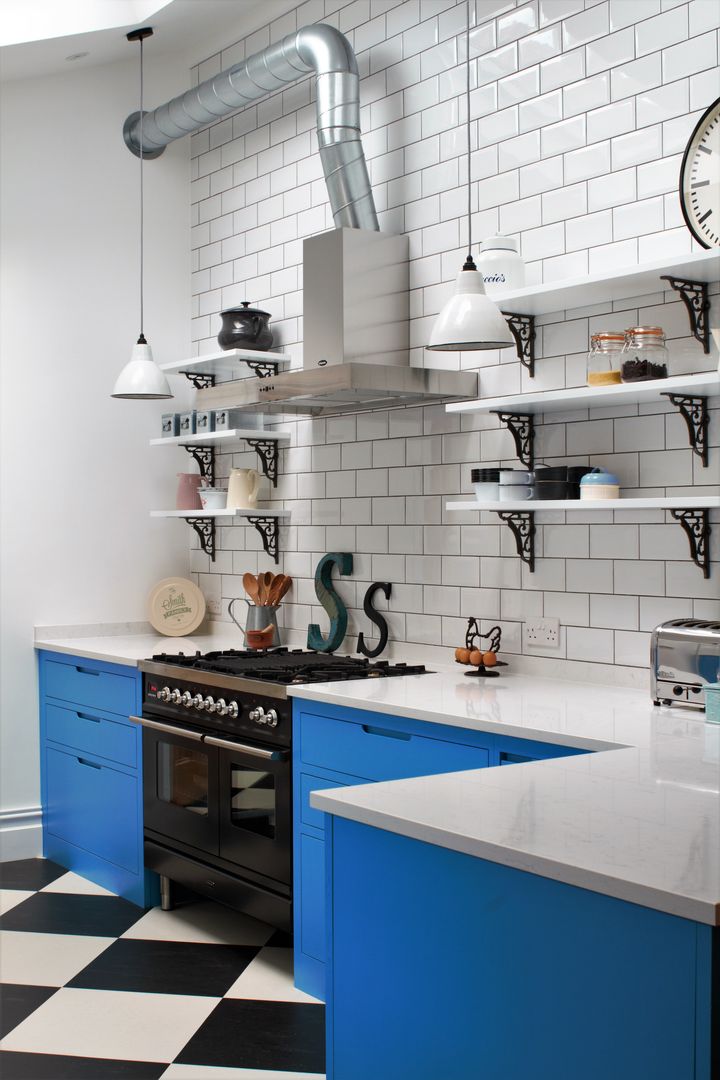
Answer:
(289, 666)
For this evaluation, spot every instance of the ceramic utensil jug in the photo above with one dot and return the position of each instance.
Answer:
(243, 488)
(258, 617)
(188, 491)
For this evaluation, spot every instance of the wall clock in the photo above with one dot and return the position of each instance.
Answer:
(700, 179)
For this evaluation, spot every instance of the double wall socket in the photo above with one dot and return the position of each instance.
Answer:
(542, 633)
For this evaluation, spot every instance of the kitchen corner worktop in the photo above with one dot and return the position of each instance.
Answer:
(130, 647)
(638, 819)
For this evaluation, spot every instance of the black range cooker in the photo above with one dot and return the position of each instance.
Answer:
(217, 770)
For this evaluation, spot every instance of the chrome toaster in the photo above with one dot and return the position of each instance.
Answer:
(684, 657)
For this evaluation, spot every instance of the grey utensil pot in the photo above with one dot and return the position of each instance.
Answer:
(258, 617)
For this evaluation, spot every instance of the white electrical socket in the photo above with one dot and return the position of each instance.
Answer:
(542, 633)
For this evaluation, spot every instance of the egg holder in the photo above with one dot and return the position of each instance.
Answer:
(473, 639)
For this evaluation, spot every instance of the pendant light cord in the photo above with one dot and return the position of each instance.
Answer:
(142, 206)
(469, 262)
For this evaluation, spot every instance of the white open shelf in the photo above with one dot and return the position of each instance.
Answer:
(226, 362)
(594, 397)
(257, 511)
(214, 437)
(673, 502)
(586, 291)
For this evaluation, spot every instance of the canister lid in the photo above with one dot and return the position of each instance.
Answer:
(598, 476)
(500, 243)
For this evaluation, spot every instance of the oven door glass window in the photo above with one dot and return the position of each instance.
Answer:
(253, 804)
(182, 778)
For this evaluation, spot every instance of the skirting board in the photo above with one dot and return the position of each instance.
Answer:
(20, 834)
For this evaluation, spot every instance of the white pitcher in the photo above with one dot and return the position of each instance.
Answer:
(243, 487)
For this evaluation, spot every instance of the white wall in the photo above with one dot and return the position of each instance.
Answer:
(78, 478)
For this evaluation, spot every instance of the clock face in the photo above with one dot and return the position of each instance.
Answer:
(700, 179)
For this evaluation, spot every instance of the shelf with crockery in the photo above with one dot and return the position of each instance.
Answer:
(265, 520)
(691, 511)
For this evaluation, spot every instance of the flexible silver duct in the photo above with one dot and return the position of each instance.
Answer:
(319, 48)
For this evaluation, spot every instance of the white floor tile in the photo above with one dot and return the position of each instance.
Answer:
(211, 1072)
(111, 1024)
(269, 978)
(205, 922)
(10, 897)
(73, 883)
(46, 959)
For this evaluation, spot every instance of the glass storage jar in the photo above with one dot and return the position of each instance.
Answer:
(604, 358)
(645, 355)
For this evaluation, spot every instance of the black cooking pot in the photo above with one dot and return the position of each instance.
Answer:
(245, 328)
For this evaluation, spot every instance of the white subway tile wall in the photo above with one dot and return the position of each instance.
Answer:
(580, 112)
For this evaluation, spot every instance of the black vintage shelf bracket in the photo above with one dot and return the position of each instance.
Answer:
(267, 451)
(694, 295)
(696, 524)
(205, 457)
(522, 429)
(522, 524)
(263, 368)
(695, 413)
(269, 529)
(205, 528)
(522, 328)
(199, 381)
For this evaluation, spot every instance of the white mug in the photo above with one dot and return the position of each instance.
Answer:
(243, 487)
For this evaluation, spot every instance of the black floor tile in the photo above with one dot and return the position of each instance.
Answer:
(29, 873)
(281, 940)
(278, 1035)
(65, 913)
(166, 967)
(17, 1002)
(14, 1066)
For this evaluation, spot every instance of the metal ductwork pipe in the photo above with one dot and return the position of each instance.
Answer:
(320, 49)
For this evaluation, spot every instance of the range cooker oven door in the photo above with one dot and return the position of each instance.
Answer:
(255, 807)
(180, 785)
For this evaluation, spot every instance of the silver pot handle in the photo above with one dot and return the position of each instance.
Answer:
(167, 729)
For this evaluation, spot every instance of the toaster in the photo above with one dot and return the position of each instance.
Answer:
(684, 658)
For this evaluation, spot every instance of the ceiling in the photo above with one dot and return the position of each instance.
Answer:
(192, 29)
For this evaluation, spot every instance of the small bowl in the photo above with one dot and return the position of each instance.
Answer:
(213, 498)
(260, 639)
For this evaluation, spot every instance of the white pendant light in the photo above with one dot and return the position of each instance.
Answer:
(469, 320)
(141, 379)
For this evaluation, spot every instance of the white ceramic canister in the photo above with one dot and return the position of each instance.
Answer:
(500, 264)
(599, 484)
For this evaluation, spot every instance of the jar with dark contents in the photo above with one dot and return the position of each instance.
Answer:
(645, 354)
(603, 368)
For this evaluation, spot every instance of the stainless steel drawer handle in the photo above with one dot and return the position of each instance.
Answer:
(242, 748)
(87, 716)
(167, 729)
(90, 764)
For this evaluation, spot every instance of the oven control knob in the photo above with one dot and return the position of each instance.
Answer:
(198, 702)
(187, 700)
(233, 710)
(221, 707)
(255, 715)
(175, 696)
(271, 718)
(210, 704)
(164, 694)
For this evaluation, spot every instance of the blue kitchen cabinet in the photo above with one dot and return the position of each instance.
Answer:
(442, 965)
(335, 746)
(91, 773)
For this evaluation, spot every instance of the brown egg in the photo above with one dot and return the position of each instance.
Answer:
(462, 656)
(476, 658)
(489, 659)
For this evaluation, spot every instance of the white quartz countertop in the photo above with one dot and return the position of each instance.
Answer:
(639, 819)
(130, 648)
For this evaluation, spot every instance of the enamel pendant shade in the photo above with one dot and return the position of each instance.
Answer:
(141, 379)
(469, 320)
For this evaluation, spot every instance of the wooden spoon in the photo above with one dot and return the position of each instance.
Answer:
(275, 588)
(266, 581)
(250, 584)
(283, 587)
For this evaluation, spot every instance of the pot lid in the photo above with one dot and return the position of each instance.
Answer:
(245, 309)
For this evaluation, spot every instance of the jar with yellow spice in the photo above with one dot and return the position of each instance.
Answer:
(605, 358)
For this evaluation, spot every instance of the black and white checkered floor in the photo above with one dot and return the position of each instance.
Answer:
(94, 987)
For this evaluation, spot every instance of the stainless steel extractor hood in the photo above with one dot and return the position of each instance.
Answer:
(355, 337)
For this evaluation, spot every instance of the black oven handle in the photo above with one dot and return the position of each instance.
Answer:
(242, 748)
(167, 729)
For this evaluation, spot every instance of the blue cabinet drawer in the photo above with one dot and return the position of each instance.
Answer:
(92, 733)
(381, 752)
(93, 806)
(90, 685)
(308, 782)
